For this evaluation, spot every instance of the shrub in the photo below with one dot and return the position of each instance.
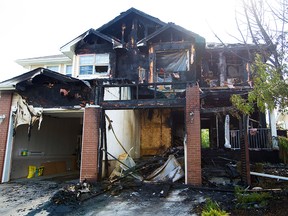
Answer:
(250, 198)
(212, 208)
(283, 149)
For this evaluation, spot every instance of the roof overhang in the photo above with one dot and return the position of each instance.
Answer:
(11, 84)
(69, 48)
(53, 59)
(197, 38)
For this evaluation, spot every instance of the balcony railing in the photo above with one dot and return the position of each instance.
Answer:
(258, 138)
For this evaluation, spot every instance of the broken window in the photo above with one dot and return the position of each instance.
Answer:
(170, 65)
(94, 64)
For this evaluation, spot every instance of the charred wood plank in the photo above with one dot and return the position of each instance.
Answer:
(139, 104)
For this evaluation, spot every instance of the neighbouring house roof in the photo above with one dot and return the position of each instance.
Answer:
(11, 84)
(198, 38)
(59, 58)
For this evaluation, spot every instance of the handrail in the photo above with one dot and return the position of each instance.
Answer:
(258, 138)
(172, 88)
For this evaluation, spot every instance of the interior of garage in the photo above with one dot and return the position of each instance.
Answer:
(56, 147)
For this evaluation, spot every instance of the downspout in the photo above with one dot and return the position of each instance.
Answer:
(272, 123)
(8, 153)
(100, 145)
(217, 131)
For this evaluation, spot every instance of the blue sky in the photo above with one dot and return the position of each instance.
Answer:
(31, 28)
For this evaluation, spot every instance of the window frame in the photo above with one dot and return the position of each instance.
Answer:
(58, 66)
(66, 66)
(94, 64)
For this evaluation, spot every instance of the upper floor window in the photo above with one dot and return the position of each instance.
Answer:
(68, 70)
(94, 64)
(53, 68)
(170, 65)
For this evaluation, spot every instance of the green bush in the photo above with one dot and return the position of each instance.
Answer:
(283, 149)
(212, 209)
(245, 198)
(205, 138)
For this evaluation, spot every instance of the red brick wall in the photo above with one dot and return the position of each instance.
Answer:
(90, 142)
(5, 106)
(193, 128)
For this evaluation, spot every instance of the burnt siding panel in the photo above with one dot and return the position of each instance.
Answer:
(128, 64)
(121, 29)
(94, 48)
(56, 95)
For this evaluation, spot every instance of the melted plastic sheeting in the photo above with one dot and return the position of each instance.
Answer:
(26, 114)
(172, 61)
(170, 171)
(120, 167)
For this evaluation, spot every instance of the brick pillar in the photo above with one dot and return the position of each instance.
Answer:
(5, 107)
(193, 142)
(90, 143)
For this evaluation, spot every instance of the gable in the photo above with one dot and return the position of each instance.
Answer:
(172, 33)
(45, 88)
(121, 26)
(95, 41)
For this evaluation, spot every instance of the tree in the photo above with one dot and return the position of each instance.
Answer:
(264, 24)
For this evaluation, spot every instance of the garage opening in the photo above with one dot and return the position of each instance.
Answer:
(54, 150)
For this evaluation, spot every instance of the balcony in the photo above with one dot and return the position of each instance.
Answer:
(142, 95)
(258, 138)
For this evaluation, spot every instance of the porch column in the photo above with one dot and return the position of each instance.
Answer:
(193, 141)
(5, 107)
(90, 143)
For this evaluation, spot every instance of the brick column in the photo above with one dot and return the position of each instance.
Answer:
(193, 142)
(5, 107)
(90, 143)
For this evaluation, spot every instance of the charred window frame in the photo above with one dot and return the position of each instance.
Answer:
(98, 64)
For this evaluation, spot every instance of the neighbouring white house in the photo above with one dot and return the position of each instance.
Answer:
(58, 63)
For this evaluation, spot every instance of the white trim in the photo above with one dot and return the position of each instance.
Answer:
(44, 60)
(68, 49)
(65, 69)
(185, 158)
(60, 110)
(7, 88)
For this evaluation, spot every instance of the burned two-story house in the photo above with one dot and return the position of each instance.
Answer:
(136, 85)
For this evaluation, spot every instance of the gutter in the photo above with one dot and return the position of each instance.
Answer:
(10, 88)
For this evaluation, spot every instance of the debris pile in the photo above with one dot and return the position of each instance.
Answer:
(72, 193)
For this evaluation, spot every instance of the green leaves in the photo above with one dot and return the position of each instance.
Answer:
(270, 89)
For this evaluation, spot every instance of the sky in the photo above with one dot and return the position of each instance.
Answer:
(33, 28)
